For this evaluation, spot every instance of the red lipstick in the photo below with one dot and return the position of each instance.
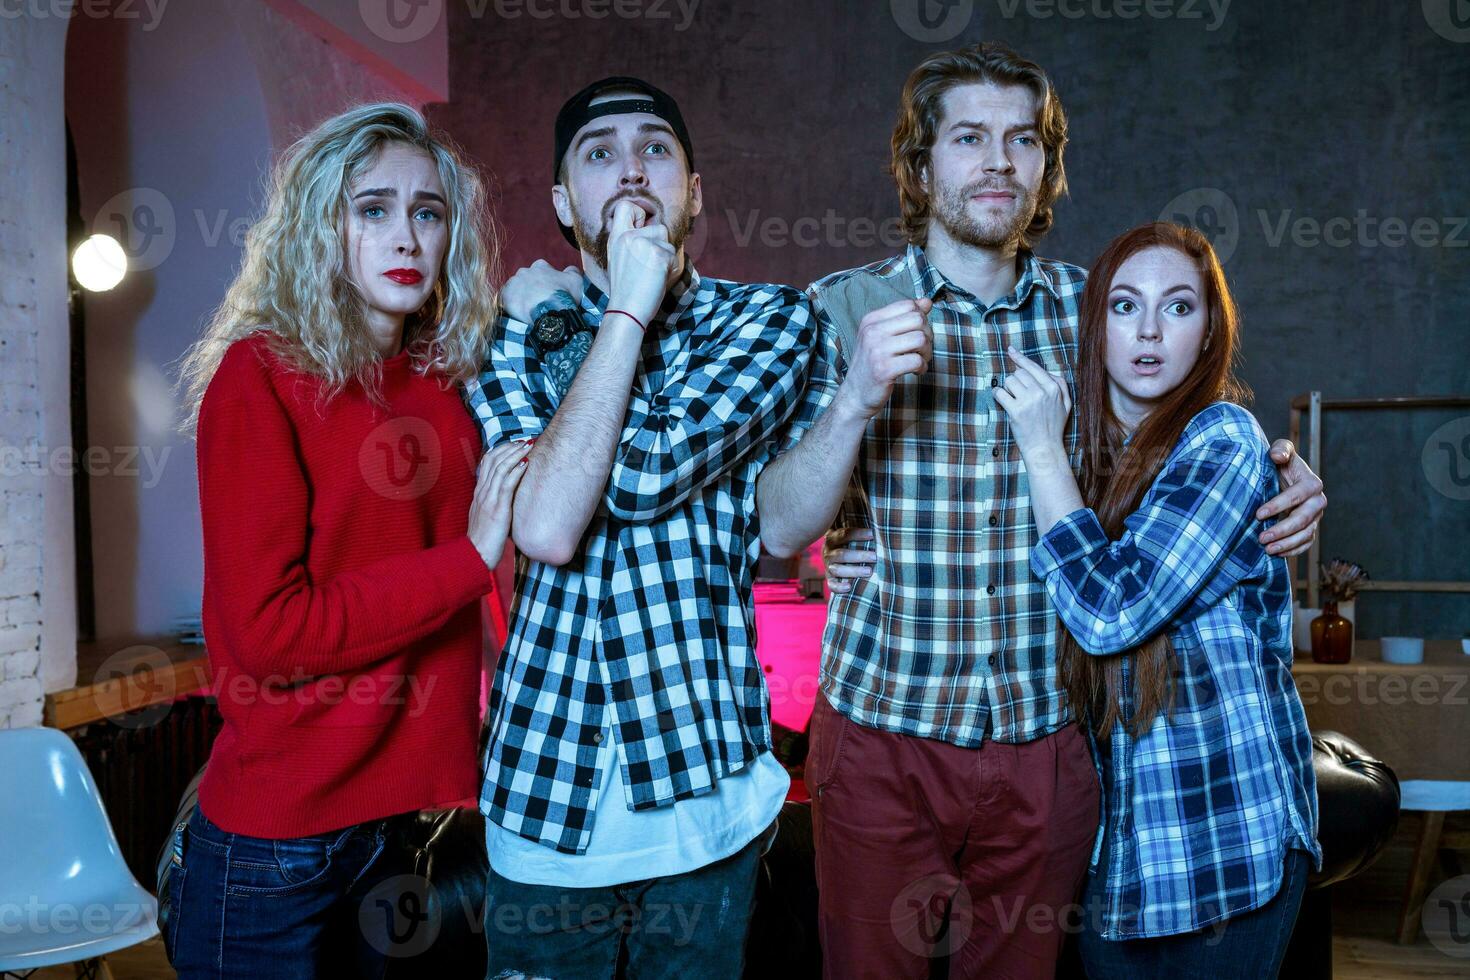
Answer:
(405, 277)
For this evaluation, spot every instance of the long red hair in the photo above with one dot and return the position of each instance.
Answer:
(1116, 477)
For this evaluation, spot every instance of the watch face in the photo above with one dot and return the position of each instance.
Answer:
(551, 331)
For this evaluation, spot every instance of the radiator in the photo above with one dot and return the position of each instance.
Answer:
(142, 763)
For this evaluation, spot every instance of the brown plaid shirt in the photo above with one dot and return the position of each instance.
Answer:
(953, 637)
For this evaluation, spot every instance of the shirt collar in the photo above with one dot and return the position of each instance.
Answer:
(928, 280)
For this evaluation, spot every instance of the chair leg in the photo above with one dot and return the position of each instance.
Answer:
(1424, 853)
(93, 969)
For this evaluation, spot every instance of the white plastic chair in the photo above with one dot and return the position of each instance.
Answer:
(66, 895)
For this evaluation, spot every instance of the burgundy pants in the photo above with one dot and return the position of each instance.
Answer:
(927, 851)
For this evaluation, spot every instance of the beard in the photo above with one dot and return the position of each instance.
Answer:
(678, 220)
(952, 210)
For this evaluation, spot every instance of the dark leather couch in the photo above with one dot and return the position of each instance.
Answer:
(1358, 799)
(1358, 812)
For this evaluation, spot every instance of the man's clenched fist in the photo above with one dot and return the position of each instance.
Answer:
(892, 341)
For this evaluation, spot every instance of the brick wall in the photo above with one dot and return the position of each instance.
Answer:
(35, 501)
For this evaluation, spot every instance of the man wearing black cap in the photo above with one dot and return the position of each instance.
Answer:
(955, 799)
(629, 784)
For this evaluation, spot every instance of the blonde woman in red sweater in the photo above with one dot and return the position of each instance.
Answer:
(350, 529)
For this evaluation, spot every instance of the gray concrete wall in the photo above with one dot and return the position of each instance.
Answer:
(1322, 143)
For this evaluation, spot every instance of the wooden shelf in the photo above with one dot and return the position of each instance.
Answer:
(1313, 404)
(118, 676)
(1389, 586)
(1304, 402)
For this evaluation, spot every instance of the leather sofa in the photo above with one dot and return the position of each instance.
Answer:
(1357, 814)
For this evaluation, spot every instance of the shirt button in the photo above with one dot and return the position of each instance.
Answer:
(990, 590)
(994, 520)
(994, 381)
(597, 738)
(995, 452)
(990, 660)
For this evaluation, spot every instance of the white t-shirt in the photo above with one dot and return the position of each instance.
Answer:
(629, 845)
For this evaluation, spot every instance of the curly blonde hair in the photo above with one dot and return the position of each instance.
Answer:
(918, 119)
(294, 282)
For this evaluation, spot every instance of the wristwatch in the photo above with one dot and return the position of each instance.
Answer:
(554, 328)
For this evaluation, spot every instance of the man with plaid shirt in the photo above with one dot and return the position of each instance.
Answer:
(629, 783)
(954, 797)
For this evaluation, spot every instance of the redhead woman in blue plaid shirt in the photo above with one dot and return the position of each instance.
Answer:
(1176, 639)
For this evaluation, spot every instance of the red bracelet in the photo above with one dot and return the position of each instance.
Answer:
(641, 325)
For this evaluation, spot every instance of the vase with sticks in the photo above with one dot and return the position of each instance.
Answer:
(1332, 634)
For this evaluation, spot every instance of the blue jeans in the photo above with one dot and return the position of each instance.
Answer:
(691, 926)
(298, 907)
(1249, 946)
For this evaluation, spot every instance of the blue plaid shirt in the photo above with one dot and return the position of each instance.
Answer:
(1202, 808)
(651, 625)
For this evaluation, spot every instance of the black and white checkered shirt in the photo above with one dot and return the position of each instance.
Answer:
(651, 625)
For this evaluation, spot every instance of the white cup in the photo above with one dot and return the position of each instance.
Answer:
(1402, 650)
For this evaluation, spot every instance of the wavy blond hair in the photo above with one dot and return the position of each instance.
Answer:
(294, 283)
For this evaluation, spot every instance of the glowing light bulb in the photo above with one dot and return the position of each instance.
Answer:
(99, 263)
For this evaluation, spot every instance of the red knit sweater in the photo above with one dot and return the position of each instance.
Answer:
(340, 596)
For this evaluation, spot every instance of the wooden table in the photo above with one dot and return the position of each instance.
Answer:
(118, 676)
(1416, 718)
